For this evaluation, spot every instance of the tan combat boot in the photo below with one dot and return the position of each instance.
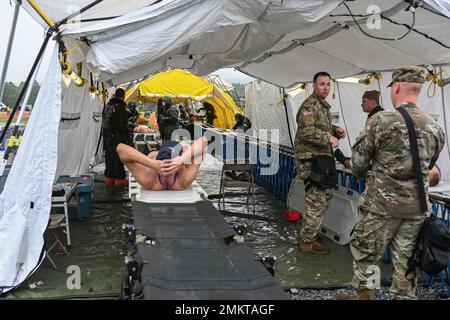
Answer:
(313, 247)
(365, 294)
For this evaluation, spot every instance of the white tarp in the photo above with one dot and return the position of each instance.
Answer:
(344, 50)
(281, 42)
(61, 9)
(264, 109)
(26, 199)
(202, 35)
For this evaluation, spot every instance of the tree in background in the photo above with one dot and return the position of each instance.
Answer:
(12, 91)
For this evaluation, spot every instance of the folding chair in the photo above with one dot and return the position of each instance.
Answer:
(224, 183)
(55, 221)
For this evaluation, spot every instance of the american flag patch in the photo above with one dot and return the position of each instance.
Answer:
(307, 113)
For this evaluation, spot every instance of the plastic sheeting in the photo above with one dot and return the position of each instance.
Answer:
(182, 85)
(265, 109)
(26, 199)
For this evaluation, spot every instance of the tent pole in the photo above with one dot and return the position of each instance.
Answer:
(381, 96)
(75, 14)
(287, 117)
(445, 116)
(27, 97)
(343, 116)
(41, 13)
(27, 82)
(22, 110)
(9, 47)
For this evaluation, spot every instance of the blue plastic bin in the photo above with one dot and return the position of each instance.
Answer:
(84, 190)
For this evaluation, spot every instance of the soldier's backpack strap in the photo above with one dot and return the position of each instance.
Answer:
(415, 155)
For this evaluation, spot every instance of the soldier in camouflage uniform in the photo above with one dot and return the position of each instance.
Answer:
(389, 207)
(315, 136)
(370, 103)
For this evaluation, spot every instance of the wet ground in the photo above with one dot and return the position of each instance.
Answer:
(99, 247)
(269, 234)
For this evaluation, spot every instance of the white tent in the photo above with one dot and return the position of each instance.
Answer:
(281, 41)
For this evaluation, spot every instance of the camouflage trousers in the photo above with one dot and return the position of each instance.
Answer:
(316, 204)
(373, 235)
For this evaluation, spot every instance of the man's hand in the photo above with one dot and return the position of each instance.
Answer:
(172, 166)
(334, 141)
(341, 132)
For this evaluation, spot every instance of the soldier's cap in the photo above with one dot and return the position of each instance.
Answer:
(408, 74)
(372, 95)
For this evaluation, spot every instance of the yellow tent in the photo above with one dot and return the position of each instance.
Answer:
(181, 86)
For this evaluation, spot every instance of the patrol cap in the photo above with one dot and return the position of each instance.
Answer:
(165, 152)
(372, 95)
(408, 74)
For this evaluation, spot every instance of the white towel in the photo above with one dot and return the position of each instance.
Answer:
(192, 194)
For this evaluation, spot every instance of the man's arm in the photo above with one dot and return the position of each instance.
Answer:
(194, 155)
(440, 141)
(128, 154)
(363, 151)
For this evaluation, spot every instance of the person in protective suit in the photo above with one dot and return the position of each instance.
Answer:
(168, 119)
(159, 113)
(133, 115)
(185, 117)
(115, 131)
(210, 113)
(242, 122)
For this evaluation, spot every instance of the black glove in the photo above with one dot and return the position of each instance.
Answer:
(340, 156)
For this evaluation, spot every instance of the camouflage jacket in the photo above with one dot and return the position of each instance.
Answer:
(314, 128)
(382, 154)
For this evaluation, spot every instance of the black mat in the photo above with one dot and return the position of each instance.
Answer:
(198, 220)
(230, 272)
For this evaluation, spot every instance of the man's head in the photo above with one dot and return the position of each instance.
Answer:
(167, 102)
(322, 84)
(120, 94)
(406, 84)
(370, 100)
(238, 117)
(169, 149)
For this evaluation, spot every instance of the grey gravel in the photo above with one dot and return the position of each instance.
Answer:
(432, 293)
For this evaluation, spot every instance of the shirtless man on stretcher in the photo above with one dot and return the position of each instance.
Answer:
(173, 167)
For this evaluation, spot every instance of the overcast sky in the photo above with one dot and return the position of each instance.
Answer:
(28, 39)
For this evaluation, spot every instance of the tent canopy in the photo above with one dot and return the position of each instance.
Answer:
(182, 86)
(281, 42)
